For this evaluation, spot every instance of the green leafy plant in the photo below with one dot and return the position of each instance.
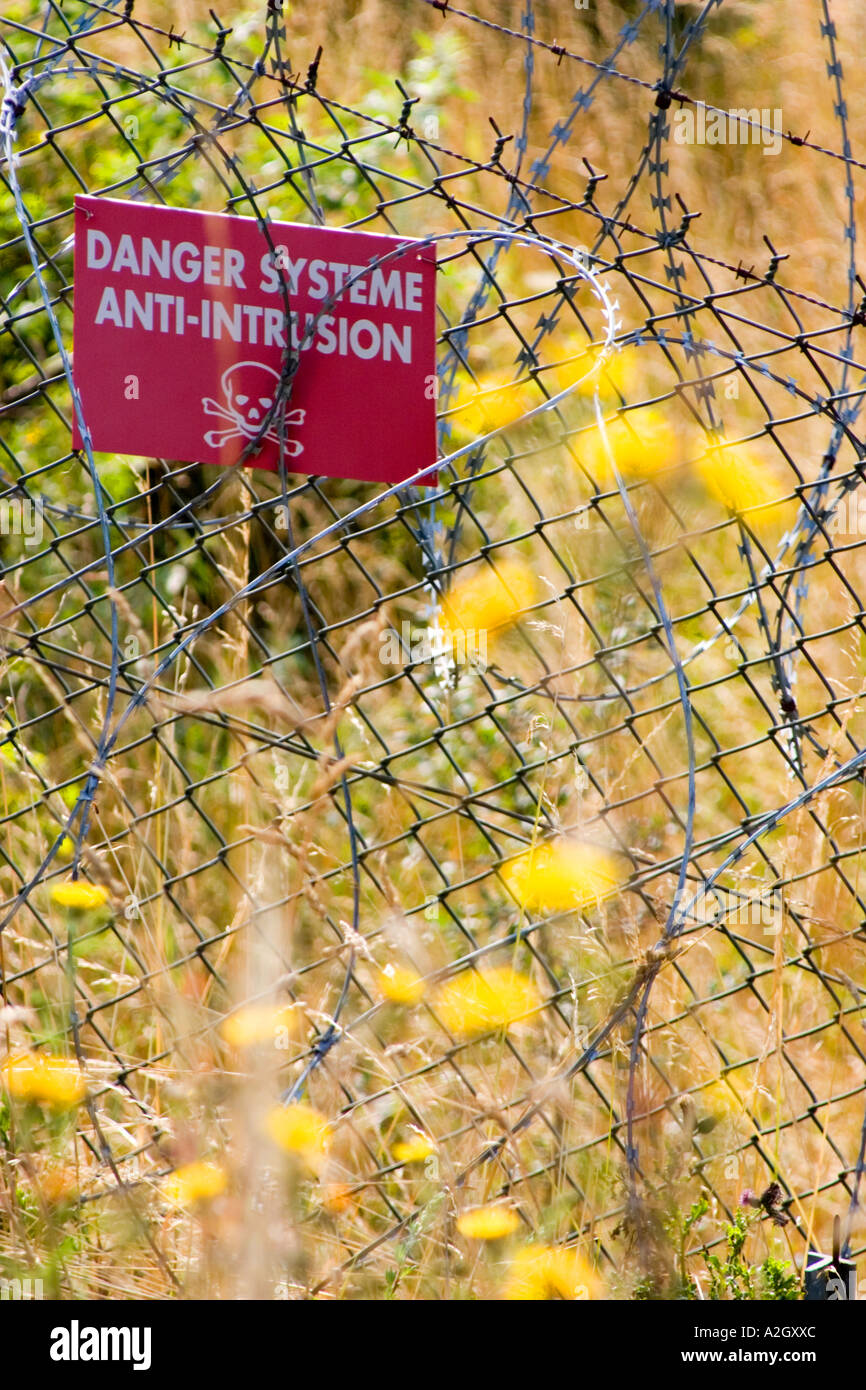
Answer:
(735, 1278)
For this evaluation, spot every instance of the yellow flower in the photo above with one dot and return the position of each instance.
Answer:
(564, 875)
(86, 896)
(721, 1100)
(550, 1271)
(492, 401)
(58, 1184)
(742, 482)
(478, 1001)
(488, 1223)
(53, 1081)
(336, 1197)
(414, 1150)
(613, 375)
(194, 1182)
(401, 985)
(643, 442)
(299, 1129)
(489, 599)
(259, 1023)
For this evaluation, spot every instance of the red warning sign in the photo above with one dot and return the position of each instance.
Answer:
(180, 327)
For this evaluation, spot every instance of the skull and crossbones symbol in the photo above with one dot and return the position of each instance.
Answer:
(249, 389)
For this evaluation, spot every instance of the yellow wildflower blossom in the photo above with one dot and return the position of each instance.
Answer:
(492, 401)
(84, 896)
(587, 369)
(743, 483)
(414, 1150)
(58, 1184)
(721, 1100)
(565, 875)
(401, 985)
(643, 443)
(488, 1223)
(336, 1197)
(550, 1271)
(489, 599)
(53, 1081)
(193, 1183)
(259, 1023)
(478, 1001)
(299, 1129)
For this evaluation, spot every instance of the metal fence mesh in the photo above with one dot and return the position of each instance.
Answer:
(285, 790)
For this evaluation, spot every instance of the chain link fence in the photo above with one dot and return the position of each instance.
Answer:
(529, 801)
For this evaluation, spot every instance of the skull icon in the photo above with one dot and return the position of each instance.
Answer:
(249, 391)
